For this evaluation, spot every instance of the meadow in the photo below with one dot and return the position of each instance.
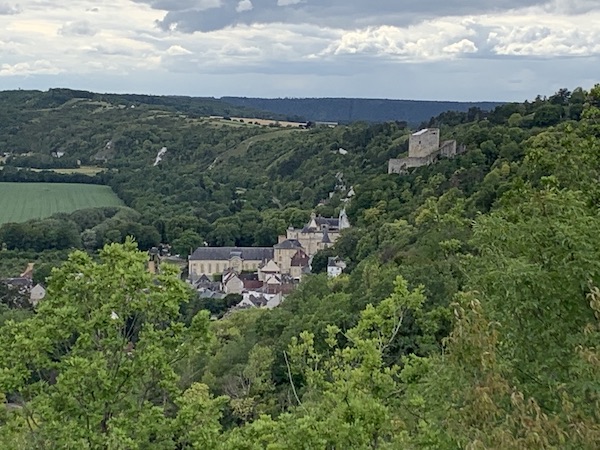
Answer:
(23, 201)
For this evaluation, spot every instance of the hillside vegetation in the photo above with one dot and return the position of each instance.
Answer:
(469, 316)
(234, 183)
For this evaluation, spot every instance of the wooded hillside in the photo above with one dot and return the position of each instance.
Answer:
(468, 317)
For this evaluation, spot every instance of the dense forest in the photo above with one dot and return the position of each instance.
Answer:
(346, 110)
(469, 316)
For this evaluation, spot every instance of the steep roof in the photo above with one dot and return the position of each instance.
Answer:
(271, 267)
(258, 301)
(288, 244)
(300, 259)
(332, 223)
(335, 261)
(226, 253)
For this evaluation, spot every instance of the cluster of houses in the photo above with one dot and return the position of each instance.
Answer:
(24, 286)
(264, 275)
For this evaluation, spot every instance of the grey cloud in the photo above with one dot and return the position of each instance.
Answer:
(9, 10)
(209, 15)
(77, 28)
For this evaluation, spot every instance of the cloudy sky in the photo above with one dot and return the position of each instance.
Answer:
(412, 49)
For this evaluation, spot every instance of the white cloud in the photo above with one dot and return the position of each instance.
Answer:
(77, 28)
(176, 50)
(244, 5)
(462, 46)
(38, 67)
(316, 45)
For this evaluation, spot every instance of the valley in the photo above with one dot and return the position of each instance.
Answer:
(172, 281)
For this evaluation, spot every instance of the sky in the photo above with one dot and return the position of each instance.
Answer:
(464, 50)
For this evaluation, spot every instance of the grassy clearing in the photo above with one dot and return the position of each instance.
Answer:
(23, 201)
(85, 170)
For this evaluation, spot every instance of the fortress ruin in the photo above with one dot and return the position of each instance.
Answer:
(423, 149)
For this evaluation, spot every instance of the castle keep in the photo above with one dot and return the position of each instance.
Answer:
(423, 149)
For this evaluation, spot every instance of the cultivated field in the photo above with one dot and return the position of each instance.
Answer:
(24, 201)
(84, 170)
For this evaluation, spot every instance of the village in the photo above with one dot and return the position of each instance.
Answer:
(263, 276)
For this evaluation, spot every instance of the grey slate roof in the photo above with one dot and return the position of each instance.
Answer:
(19, 281)
(335, 261)
(332, 223)
(225, 253)
(289, 244)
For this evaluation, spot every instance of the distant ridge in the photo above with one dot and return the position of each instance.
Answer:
(345, 110)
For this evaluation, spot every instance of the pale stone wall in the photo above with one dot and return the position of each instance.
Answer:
(311, 242)
(448, 149)
(402, 164)
(283, 258)
(424, 142)
(198, 268)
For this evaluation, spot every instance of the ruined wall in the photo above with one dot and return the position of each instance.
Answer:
(448, 149)
(402, 164)
(424, 149)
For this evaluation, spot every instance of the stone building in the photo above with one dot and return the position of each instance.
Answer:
(423, 149)
(318, 234)
(216, 260)
(284, 252)
(423, 143)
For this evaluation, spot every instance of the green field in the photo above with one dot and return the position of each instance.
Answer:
(24, 201)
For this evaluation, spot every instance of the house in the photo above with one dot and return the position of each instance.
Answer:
(259, 300)
(335, 266)
(232, 284)
(299, 264)
(274, 301)
(37, 293)
(284, 252)
(216, 260)
(280, 284)
(208, 293)
(253, 301)
(206, 283)
(268, 269)
(318, 234)
(423, 149)
(22, 284)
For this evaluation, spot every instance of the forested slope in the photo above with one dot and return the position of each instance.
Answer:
(347, 110)
(469, 316)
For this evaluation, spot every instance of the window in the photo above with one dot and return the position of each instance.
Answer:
(210, 268)
(201, 268)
